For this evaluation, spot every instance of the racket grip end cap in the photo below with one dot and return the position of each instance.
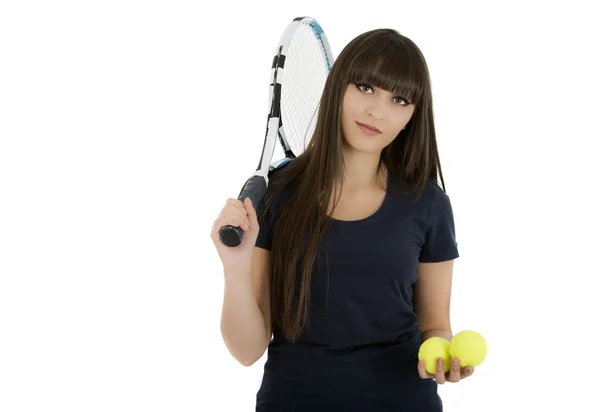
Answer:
(231, 236)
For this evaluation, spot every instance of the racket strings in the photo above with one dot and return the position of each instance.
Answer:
(305, 73)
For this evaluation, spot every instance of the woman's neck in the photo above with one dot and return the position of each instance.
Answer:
(362, 170)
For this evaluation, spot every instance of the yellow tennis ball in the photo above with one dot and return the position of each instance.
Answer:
(432, 349)
(470, 347)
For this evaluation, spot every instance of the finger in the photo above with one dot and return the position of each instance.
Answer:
(238, 214)
(454, 375)
(235, 218)
(231, 208)
(231, 211)
(235, 202)
(423, 374)
(467, 371)
(421, 369)
(440, 374)
(252, 217)
(232, 218)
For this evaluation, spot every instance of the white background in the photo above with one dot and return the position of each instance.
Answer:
(125, 126)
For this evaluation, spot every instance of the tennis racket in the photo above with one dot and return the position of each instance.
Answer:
(299, 70)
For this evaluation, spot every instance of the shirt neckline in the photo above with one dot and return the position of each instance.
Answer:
(373, 215)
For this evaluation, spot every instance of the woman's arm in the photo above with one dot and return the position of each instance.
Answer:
(246, 314)
(431, 299)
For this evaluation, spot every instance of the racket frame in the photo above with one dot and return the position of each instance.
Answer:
(256, 185)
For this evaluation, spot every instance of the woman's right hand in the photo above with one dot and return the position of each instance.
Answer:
(243, 215)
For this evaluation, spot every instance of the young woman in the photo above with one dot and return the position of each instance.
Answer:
(346, 265)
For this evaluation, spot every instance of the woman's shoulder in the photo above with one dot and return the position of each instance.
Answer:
(439, 203)
(398, 185)
(434, 188)
(430, 195)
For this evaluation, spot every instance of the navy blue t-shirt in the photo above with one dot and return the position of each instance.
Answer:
(359, 349)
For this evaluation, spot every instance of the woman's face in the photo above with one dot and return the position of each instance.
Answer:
(375, 107)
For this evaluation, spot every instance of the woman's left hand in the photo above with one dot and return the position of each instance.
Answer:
(455, 374)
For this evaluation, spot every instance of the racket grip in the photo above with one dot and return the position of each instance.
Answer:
(255, 189)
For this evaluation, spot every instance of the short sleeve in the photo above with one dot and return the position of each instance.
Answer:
(266, 224)
(440, 239)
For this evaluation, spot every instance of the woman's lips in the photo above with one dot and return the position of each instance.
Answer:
(367, 130)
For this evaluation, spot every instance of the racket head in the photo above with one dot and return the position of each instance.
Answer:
(301, 75)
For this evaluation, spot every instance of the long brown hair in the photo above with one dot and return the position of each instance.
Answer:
(383, 58)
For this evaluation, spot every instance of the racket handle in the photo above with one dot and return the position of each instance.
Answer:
(255, 189)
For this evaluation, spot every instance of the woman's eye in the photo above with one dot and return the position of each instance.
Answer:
(404, 100)
(360, 87)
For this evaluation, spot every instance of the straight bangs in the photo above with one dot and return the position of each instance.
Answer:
(392, 66)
